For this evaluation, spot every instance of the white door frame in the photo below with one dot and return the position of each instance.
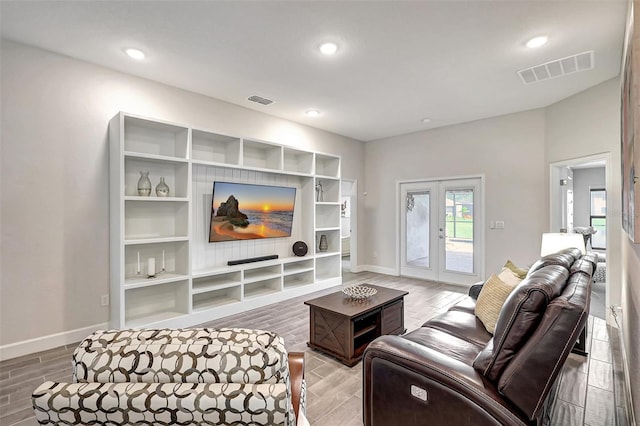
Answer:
(481, 223)
(555, 205)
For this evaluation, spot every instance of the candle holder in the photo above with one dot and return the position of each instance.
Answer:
(151, 267)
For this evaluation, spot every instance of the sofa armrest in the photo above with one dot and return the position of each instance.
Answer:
(413, 378)
(475, 289)
(296, 374)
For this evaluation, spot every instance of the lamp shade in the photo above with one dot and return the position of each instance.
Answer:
(553, 242)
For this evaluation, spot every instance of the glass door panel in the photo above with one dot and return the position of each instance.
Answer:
(419, 223)
(458, 252)
(418, 229)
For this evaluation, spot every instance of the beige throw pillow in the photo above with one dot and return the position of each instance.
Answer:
(520, 272)
(490, 300)
(507, 276)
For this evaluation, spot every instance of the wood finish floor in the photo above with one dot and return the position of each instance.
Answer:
(589, 392)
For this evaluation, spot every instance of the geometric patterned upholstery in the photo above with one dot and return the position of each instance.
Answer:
(600, 275)
(173, 376)
(195, 355)
(160, 403)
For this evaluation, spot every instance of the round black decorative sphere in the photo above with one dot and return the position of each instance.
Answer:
(300, 248)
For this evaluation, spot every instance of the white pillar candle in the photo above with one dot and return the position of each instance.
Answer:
(151, 267)
(138, 263)
(162, 260)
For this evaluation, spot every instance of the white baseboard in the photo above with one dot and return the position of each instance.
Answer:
(627, 380)
(380, 270)
(26, 347)
(358, 268)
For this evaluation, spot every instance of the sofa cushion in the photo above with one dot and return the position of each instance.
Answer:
(460, 349)
(468, 305)
(582, 265)
(520, 315)
(564, 258)
(490, 300)
(463, 325)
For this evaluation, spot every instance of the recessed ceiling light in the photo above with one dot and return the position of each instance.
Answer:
(426, 120)
(136, 54)
(329, 48)
(313, 113)
(537, 42)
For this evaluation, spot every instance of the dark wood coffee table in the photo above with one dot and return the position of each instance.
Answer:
(344, 327)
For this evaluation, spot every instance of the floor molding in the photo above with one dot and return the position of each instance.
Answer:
(25, 347)
(627, 379)
(380, 270)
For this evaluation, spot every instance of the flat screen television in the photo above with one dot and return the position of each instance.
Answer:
(241, 211)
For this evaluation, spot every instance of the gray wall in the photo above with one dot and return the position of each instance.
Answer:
(54, 177)
(507, 150)
(583, 181)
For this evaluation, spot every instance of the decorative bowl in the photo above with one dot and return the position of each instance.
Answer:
(359, 292)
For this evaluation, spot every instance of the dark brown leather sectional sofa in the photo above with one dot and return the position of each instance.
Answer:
(452, 372)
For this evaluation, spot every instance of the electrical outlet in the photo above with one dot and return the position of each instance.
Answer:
(499, 224)
(104, 300)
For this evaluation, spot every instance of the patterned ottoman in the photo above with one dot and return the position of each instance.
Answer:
(174, 377)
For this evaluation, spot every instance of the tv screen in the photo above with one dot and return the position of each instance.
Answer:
(241, 211)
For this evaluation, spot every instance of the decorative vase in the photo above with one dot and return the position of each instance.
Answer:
(144, 185)
(323, 246)
(162, 190)
(319, 192)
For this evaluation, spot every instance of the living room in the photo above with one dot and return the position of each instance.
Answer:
(55, 182)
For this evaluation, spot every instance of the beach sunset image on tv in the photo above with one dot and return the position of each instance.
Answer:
(242, 211)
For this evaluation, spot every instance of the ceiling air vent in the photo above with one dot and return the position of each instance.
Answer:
(260, 100)
(558, 68)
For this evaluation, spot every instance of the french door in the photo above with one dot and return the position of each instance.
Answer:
(441, 235)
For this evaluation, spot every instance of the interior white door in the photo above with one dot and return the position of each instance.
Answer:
(441, 235)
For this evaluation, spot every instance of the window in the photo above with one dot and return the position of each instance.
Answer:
(598, 218)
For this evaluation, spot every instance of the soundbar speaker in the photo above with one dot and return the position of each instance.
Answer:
(252, 259)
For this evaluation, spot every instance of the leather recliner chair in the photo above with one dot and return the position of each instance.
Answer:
(451, 371)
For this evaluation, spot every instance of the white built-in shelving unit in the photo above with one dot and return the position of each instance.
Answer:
(194, 284)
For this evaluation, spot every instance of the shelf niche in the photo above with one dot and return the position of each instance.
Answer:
(176, 260)
(261, 155)
(168, 219)
(148, 305)
(154, 137)
(215, 148)
(175, 174)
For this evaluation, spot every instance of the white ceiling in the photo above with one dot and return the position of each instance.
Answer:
(398, 62)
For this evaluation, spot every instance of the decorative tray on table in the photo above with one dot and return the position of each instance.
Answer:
(359, 292)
